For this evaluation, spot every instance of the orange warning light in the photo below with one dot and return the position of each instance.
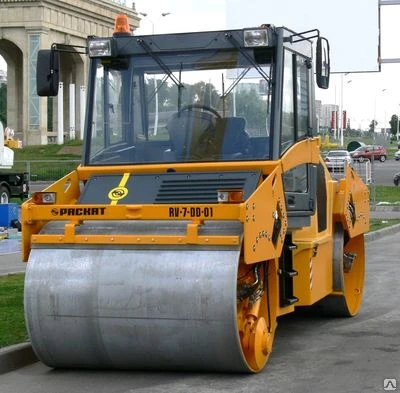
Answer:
(121, 25)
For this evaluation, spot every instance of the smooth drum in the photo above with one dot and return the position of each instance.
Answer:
(134, 308)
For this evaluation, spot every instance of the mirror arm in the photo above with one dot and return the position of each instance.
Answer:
(302, 36)
(69, 48)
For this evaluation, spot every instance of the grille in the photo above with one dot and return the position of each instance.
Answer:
(196, 190)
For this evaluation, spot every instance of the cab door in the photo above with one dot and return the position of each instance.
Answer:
(300, 182)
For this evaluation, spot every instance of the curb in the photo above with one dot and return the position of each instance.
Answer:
(385, 208)
(16, 356)
(11, 274)
(371, 236)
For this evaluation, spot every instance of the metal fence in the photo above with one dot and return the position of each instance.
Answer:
(366, 171)
(45, 170)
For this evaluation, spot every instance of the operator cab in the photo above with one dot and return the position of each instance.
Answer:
(238, 95)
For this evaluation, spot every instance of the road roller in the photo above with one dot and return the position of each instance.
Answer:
(202, 210)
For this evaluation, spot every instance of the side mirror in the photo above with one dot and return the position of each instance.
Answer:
(323, 63)
(47, 73)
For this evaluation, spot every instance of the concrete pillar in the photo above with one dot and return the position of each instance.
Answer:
(72, 111)
(82, 107)
(60, 114)
(43, 101)
(35, 118)
(13, 89)
(81, 80)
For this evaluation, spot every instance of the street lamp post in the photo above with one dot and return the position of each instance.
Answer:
(341, 124)
(145, 15)
(397, 131)
(374, 120)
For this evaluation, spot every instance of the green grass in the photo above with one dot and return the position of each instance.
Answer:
(380, 223)
(390, 194)
(48, 162)
(12, 322)
(46, 152)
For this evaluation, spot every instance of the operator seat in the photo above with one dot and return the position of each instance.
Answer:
(236, 140)
(187, 131)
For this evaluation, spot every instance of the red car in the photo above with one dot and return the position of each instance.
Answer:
(369, 152)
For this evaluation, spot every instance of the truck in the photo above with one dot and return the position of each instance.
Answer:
(202, 210)
(12, 184)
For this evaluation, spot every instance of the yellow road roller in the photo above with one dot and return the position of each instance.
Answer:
(202, 210)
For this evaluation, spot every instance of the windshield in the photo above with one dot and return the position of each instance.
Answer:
(181, 108)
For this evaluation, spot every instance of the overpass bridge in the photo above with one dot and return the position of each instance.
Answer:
(27, 26)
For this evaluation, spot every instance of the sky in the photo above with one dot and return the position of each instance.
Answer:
(351, 26)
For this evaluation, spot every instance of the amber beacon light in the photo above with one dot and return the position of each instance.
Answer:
(121, 25)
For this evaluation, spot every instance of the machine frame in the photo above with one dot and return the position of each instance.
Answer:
(294, 235)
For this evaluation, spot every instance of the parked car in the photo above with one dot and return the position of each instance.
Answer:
(369, 152)
(396, 179)
(397, 155)
(337, 159)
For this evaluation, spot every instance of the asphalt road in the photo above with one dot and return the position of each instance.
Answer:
(311, 354)
(10, 257)
(383, 172)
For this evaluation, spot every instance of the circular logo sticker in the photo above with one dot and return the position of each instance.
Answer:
(118, 193)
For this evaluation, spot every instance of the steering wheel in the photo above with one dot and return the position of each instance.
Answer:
(199, 106)
(182, 129)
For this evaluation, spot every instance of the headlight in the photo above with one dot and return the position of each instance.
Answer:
(255, 37)
(44, 198)
(102, 47)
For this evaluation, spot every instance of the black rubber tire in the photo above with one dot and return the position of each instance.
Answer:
(4, 195)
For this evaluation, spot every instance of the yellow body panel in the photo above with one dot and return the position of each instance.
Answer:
(261, 208)
(347, 202)
(351, 205)
(306, 151)
(314, 279)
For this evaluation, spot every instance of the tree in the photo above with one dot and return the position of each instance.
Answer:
(393, 125)
(372, 126)
(3, 104)
(348, 127)
(251, 106)
(249, 103)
